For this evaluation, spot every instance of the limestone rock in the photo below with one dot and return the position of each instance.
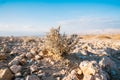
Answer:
(29, 55)
(41, 53)
(3, 64)
(37, 57)
(92, 71)
(101, 53)
(33, 51)
(43, 74)
(18, 74)
(107, 62)
(15, 61)
(57, 74)
(33, 68)
(88, 68)
(15, 68)
(79, 71)
(89, 77)
(83, 53)
(32, 77)
(15, 51)
(2, 56)
(23, 55)
(23, 61)
(71, 76)
(5, 74)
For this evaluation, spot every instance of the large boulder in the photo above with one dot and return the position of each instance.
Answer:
(92, 71)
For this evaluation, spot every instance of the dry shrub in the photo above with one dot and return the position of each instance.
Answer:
(58, 44)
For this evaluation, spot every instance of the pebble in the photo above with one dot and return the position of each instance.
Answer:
(29, 55)
(42, 74)
(2, 56)
(58, 78)
(33, 51)
(52, 62)
(33, 68)
(18, 74)
(23, 61)
(37, 57)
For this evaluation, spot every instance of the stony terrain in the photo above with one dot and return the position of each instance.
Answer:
(92, 58)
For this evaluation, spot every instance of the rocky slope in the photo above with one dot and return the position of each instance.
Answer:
(92, 58)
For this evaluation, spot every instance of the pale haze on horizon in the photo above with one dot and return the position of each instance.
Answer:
(34, 17)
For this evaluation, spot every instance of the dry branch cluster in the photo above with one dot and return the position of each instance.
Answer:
(58, 43)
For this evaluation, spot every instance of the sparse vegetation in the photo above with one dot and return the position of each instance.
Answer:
(58, 44)
(85, 57)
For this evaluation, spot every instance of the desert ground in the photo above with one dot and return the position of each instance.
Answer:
(93, 57)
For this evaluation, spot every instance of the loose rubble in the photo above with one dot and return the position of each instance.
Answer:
(22, 58)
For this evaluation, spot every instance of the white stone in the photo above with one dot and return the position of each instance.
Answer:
(37, 57)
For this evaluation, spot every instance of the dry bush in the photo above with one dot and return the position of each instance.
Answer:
(58, 44)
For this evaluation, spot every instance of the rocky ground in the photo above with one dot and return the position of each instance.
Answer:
(92, 58)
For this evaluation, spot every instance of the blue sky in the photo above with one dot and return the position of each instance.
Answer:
(34, 17)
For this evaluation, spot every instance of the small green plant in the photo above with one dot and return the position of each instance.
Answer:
(57, 43)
